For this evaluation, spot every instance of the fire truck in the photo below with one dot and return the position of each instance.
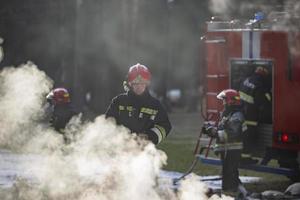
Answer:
(232, 52)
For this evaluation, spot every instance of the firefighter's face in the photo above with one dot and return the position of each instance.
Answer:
(139, 88)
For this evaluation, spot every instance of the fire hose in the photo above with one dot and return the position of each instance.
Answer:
(196, 150)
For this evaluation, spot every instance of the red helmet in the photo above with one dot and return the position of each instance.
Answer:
(138, 73)
(59, 96)
(230, 97)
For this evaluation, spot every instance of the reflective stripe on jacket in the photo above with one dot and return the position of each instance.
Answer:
(142, 114)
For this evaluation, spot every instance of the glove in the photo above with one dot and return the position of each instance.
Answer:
(204, 128)
(212, 131)
(204, 131)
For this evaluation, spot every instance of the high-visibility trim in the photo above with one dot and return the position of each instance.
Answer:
(251, 123)
(160, 132)
(121, 107)
(129, 108)
(228, 146)
(246, 97)
(244, 127)
(268, 96)
(246, 155)
(149, 111)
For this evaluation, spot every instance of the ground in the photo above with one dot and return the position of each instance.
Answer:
(180, 145)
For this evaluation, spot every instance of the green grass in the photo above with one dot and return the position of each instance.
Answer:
(179, 150)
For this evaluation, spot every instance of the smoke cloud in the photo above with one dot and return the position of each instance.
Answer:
(219, 7)
(103, 161)
(22, 91)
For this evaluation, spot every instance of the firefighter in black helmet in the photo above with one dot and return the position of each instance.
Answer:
(137, 110)
(229, 134)
(256, 99)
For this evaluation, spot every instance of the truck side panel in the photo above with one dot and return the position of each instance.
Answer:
(286, 95)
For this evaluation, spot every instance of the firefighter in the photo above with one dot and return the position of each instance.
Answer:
(137, 110)
(61, 110)
(256, 99)
(229, 132)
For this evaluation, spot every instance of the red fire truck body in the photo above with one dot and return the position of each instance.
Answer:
(231, 54)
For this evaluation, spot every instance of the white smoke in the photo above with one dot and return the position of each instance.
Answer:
(219, 6)
(104, 161)
(22, 91)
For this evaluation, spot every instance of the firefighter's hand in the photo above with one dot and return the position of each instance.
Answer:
(204, 131)
(212, 131)
(204, 128)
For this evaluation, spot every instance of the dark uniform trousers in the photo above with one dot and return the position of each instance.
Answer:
(230, 172)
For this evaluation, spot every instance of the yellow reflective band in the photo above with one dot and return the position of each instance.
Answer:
(228, 146)
(149, 111)
(246, 97)
(268, 96)
(129, 108)
(121, 108)
(246, 155)
(251, 123)
(160, 132)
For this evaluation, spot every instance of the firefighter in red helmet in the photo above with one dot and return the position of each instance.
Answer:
(229, 132)
(256, 99)
(62, 111)
(137, 110)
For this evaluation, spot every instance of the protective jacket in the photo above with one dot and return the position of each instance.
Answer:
(255, 95)
(61, 115)
(230, 130)
(142, 114)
